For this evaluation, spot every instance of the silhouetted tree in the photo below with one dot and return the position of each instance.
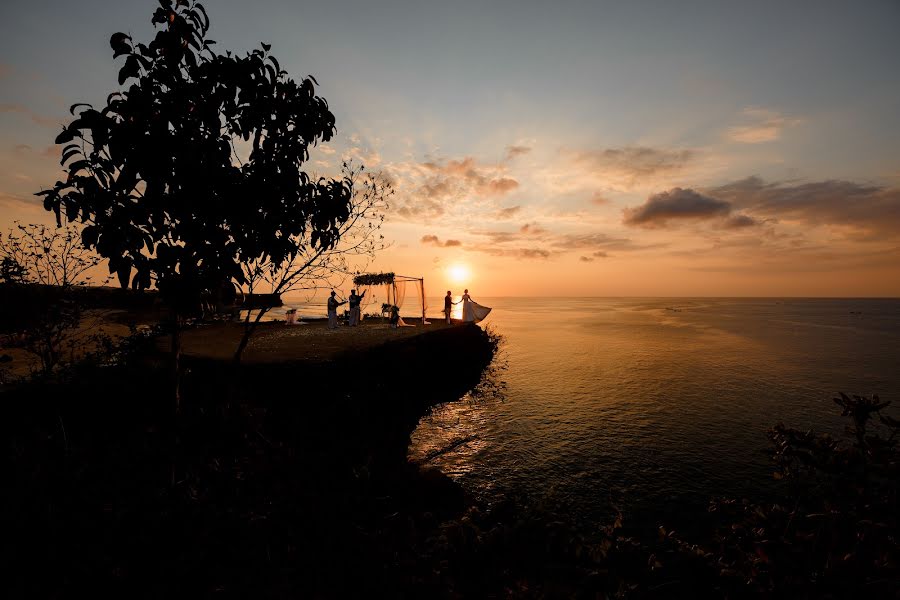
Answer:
(42, 264)
(35, 253)
(193, 169)
(315, 267)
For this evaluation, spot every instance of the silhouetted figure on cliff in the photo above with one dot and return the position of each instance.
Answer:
(448, 305)
(333, 304)
(394, 321)
(472, 311)
(355, 301)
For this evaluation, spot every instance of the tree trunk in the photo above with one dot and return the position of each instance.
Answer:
(249, 328)
(176, 361)
(176, 385)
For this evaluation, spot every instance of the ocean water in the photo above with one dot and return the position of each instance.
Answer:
(654, 405)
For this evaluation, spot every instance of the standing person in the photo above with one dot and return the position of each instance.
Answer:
(472, 311)
(394, 321)
(354, 307)
(467, 315)
(448, 305)
(332, 310)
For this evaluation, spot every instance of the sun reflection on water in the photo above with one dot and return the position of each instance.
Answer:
(453, 435)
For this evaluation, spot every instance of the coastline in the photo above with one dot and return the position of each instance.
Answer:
(279, 475)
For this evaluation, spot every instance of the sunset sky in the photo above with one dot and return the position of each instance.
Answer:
(555, 148)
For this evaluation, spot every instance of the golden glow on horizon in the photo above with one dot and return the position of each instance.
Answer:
(458, 273)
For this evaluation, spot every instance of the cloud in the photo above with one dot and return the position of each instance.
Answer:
(508, 213)
(26, 207)
(593, 257)
(598, 242)
(5, 70)
(514, 151)
(740, 221)
(533, 253)
(435, 241)
(500, 237)
(509, 244)
(424, 189)
(532, 241)
(628, 165)
(466, 176)
(421, 210)
(35, 117)
(599, 199)
(868, 212)
(499, 186)
(583, 172)
(368, 157)
(871, 210)
(532, 229)
(765, 126)
(520, 253)
(675, 204)
(793, 253)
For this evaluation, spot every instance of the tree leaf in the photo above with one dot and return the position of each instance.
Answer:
(119, 42)
(130, 69)
(65, 137)
(76, 105)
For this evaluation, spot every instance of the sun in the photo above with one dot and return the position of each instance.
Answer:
(458, 273)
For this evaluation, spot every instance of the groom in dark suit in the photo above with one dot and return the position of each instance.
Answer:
(448, 304)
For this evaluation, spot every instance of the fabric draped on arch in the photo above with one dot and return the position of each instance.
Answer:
(395, 291)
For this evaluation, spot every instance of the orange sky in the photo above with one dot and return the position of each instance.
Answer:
(607, 149)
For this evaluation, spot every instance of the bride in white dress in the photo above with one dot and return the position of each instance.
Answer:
(472, 312)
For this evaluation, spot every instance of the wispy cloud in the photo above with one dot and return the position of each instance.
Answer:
(761, 126)
(533, 241)
(740, 222)
(598, 242)
(30, 114)
(532, 229)
(369, 157)
(594, 256)
(435, 241)
(871, 210)
(628, 165)
(466, 176)
(521, 253)
(599, 199)
(426, 189)
(508, 212)
(514, 151)
(622, 169)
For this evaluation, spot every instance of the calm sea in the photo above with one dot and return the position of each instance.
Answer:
(654, 405)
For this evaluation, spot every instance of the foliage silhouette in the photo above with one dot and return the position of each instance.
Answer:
(193, 169)
(35, 253)
(312, 268)
(39, 268)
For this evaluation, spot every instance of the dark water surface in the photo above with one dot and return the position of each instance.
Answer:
(654, 405)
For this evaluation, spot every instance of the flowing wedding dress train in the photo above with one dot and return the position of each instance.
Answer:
(473, 312)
